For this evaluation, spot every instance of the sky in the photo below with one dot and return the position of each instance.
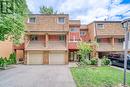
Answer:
(86, 10)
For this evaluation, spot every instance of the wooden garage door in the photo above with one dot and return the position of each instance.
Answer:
(56, 58)
(35, 58)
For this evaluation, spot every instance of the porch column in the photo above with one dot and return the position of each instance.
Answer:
(46, 40)
(67, 39)
(113, 41)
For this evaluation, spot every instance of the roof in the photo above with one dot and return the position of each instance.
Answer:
(107, 21)
(128, 19)
(50, 14)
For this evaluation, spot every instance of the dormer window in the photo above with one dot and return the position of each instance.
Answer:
(100, 26)
(32, 20)
(61, 20)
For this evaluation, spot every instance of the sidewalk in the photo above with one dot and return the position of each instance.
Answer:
(120, 68)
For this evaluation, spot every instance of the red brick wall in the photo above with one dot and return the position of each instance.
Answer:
(74, 34)
(105, 40)
(41, 37)
(53, 37)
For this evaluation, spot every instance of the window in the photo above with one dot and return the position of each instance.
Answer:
(62, 37)
(82, 33)
(32, 20)
(34, 38)
(100, 26)
(121, 40)
(124, 25)
(74, 29)
(128, 23)
(61, 20)
(98, 40)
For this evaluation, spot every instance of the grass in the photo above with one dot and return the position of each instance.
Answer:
(104, 76)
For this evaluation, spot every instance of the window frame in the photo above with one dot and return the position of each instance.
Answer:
(120, 40)
(59, 21)
(98, 40)
(34, 38)
(82, 33)
(97, 26)
(62, 37)
(31, 22)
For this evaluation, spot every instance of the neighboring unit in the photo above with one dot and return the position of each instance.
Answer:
(109, 35)
(46, 39)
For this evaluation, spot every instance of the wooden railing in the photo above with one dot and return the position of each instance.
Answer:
(110, 47)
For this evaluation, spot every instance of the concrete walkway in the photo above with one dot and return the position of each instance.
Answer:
(37, 76)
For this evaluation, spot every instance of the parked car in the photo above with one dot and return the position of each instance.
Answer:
(118, 60)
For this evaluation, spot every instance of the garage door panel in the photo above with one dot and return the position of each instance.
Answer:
(35, 58)
(56, 58)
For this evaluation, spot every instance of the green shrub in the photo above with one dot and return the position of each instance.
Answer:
(85, 62)
(7, 61)
(12, 58)
(105, 61)
(94, 61)
(3, 62)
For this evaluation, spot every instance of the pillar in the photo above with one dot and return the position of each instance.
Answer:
(46, 43)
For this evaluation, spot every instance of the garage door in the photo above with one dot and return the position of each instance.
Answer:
(35, 58)
(56, 58)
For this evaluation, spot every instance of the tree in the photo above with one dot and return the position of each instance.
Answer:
(84, 49)
(12, 25)
(47, 10)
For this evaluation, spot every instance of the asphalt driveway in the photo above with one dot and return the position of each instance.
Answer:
(37, 76)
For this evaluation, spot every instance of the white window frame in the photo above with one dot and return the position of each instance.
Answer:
(100, 27)
(60, 22)
(31, 22)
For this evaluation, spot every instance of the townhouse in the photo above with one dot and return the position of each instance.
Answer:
(109, 35)
(46, 39)
(54, 38)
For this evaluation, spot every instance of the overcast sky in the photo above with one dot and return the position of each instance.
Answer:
(86, 10)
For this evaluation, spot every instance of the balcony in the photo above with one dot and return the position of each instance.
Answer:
(51, 45)
(36, 45)
(109, 47)
(57, 45)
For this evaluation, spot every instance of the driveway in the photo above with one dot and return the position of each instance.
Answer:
(37, 76)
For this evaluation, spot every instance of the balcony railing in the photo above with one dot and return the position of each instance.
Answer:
(41, 45)
(56, 45)
(36, 45)
(110, 47)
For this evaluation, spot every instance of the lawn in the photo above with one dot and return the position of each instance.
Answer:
(104, 76)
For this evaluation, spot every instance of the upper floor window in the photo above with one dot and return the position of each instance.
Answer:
(124, 25)
(32, 20)
(74, 29)
(82, 33)
(61, 20)
(128, 23)
(34, 38)
(100, 26)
